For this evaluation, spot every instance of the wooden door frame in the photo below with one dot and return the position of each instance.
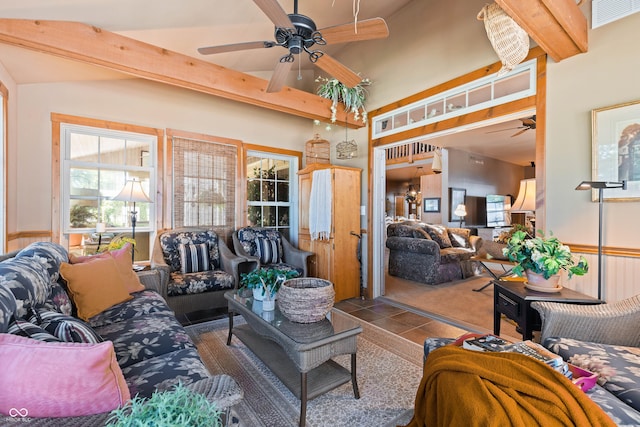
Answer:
(537, 102)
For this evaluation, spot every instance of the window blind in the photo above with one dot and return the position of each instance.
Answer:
(204, 185)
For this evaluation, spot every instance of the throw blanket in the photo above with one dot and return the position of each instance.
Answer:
(469, 388)
(320, 205)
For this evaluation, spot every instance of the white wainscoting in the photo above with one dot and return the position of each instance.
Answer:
(621, 278)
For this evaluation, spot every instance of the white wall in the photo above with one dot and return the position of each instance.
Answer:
(130, 101)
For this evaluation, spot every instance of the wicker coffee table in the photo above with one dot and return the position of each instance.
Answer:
(299, 354)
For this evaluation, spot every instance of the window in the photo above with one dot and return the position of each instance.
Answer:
(96, 163)
(270, 191)
(204, 184)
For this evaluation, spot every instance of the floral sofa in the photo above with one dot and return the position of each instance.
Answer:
(151, 348)
(429, 253)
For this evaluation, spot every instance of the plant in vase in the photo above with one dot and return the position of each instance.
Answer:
(543, 257)
(265, 282)
(353, 98)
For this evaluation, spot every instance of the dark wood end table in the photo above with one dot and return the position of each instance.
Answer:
(514, 300)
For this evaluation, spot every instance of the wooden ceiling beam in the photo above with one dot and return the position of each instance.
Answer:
(558, 26)
(92, 45)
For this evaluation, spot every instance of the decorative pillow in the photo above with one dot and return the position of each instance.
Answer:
(59, 300)
(439, 234)
(268, 250)
(26, 329)
(59, 379)
(65, 328)
(419, 233)
(94, 286)
(27, 279)
(459, 237)
(122, 257)
(194, 258)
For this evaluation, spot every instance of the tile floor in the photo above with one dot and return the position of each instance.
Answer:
(407, 324)
(410, 325)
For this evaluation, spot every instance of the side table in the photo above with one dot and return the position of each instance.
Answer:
(514, 300)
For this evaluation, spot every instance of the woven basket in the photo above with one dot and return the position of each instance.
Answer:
(508, 39)
(306, 299)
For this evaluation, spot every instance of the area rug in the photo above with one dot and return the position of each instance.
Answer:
(389, 370)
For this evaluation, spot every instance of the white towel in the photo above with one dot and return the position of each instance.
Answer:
(320, 205)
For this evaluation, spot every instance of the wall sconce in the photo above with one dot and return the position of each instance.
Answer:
(600, 186)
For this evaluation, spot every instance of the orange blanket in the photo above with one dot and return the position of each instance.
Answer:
(468, 388)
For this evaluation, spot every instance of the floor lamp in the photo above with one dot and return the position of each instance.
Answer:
(601, 186)
(133, 192)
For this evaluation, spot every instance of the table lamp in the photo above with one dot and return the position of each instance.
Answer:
(461, 211)
(133, 192)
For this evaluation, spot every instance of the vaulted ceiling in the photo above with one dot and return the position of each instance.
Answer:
(158, 41)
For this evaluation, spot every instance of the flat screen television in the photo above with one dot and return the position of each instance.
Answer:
(498, 210)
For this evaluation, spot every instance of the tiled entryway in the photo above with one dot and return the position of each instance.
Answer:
(408, 324)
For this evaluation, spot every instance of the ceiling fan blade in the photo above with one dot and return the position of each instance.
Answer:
(209, 50)
(369, 29)
(279, 76)
(275, 13)
(502, 130)
(334, 68)
(519, 132)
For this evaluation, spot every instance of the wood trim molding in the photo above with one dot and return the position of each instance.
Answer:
(477, 116)
(558, 26)
(93, 45)
(606, 250)
(5, 173)
(56, 120)
(33, 234)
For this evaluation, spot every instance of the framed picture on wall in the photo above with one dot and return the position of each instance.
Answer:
(431, 204)
(616, 149)
(456, 197)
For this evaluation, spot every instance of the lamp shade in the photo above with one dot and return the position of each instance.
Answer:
(101, 227)
(132, 192)
(461, 210)
(526, 200)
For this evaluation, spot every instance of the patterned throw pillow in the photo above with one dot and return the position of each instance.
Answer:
(439, 234)
(460, 237)
(29, 330)
(65, 328)
(194, 258)
(268, 250)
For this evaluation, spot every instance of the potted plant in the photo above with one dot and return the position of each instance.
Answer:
(265, 282)
(180, 406)
(353, 98)
(542, 258)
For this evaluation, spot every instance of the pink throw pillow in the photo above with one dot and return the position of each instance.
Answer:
(122, 257)
(45, 379)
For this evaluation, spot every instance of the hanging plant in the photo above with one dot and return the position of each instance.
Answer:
(353, 98)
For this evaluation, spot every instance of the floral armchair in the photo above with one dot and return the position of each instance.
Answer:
(270, 249)
(604, 339)
(196, 269)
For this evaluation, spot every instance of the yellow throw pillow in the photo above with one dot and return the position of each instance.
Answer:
(94, 286)
(125, 266)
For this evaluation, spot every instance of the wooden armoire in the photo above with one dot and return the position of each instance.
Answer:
(335, 259)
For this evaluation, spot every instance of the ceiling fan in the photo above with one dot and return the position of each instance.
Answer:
(298, 33)
(527, 123)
